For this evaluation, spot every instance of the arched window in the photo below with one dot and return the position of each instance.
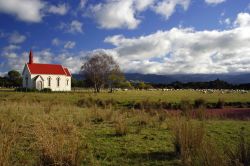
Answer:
(58, 81)
(67, 82)
(49, 81)
(26, 81)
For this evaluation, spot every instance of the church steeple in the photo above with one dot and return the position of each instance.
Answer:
(31, 57)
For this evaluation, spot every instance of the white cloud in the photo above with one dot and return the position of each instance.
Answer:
(167, 7)
(56, 42)
(16, 38)
(184, 50)
(141, 5)
(31, 10)
(214, 2)
(226, 21)
(243, 19)
(2, 74)
(82, 3)
(73, 27)
(113, 14)
(69, 45)
(11, 47)
(60, 9)
(16, 61)
(25, 10)
(66, 44)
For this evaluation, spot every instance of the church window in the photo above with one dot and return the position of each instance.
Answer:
(67, 82)
(49, 81)
(58, 81)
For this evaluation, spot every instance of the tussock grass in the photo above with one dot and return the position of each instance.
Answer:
(51, 129)
(58, 142)
(8, 137)
(192, 145)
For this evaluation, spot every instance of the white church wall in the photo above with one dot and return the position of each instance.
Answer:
(63, 86)
(53, 84)
(26, 74)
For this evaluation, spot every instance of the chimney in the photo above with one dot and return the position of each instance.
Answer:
(30, 57)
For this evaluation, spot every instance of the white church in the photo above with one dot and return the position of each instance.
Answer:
(40, 76)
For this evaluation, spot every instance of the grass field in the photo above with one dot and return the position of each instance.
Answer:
(50, 129)
(133, 95)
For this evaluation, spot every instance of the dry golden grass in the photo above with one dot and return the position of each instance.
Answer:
(58, 142)
(35, 130)
(8, 137)
(192, 145)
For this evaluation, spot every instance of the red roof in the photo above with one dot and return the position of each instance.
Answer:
(67, 71)
(36, 68)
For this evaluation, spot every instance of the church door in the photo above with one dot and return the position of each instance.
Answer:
(39, 85)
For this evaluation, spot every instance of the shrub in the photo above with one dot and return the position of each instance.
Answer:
(220, 104)
(86, 102)
(186, 107)
(200, 103)
(46, 90)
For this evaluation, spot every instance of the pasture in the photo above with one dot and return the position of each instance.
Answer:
(52, 129)
(174, 96)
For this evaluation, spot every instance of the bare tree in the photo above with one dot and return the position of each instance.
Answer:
(101, 69)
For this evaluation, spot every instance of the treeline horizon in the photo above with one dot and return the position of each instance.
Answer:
(14, 79)
(216, 84)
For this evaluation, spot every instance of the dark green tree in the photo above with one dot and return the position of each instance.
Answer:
(15, 78)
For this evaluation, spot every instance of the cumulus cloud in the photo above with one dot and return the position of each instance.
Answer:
(16, 38)
(26, 10)
(69, 45)
(167, 7)
(56, 42)
(214, 2)
(72, 27)
(60, 9)
(113, 14)
(31, 10)
(243, 19)
(185, 50)
(15, 61)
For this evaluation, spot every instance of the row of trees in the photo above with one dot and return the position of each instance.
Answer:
(101, 71)
(12, 79)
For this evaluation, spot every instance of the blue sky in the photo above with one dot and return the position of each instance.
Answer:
(145, 36)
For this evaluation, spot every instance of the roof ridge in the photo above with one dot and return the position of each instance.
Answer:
(55, 69)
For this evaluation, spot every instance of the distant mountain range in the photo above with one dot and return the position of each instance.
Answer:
(166, 79)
